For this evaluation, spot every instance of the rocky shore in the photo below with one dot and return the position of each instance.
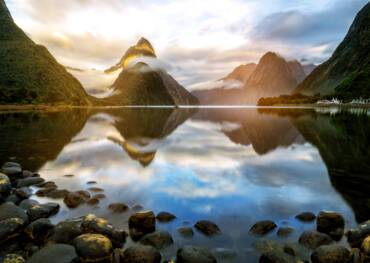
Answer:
(28, 235)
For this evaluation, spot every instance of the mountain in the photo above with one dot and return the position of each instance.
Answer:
(347, 73)
(297, 70)
(143, 48)
(141, 84)
(308, 68)
(241, 73)
(273, 76)
(29, 73)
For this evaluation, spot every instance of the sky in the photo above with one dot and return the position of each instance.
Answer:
(197, 40)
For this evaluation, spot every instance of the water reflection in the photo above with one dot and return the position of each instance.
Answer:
(232, 166)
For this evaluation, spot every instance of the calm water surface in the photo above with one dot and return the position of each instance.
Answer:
(231, 166)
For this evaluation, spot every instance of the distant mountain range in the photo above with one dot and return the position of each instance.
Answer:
(347, 73)
(272, 76)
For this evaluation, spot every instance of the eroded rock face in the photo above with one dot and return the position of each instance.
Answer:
(140, 254)
(56, 253)
(93, 247)
(141, 223)
(330, 223)
(192, 254)
(331, 254)
(262, 227)
(208, 228)
(314, 239)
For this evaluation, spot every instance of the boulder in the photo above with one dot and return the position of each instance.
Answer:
(365, 246)
(10, 228)
(65, 232)
(276, 257)
(140, 254)
(306, 217)
(192, 254)
(262, 227)
(141, 223)
(93, 248)
(42, 211)
(186, 232)
(357, 235)
(13, 198)
(157, 239)
(314, 239)
(5, 185)
(208, 228)
(23, 192)
(56, 253)
(29, 181)
(39, 229)
(11, 168)
(165, 217)
(14, 258)
(330, 223)
(10, 210)
(331, 254)
(27, 204)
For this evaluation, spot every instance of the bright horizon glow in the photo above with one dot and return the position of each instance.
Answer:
(202, 40)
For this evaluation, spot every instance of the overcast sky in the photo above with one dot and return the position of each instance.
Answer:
(202, 39)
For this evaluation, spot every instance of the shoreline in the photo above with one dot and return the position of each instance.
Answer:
(28, 234)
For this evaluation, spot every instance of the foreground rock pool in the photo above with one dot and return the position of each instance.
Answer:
(185, 185)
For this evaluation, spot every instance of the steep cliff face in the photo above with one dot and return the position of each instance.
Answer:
(297, 70)
(347, 73)
(273, 76)
(241, 73)
(141, 84)
(29, 73)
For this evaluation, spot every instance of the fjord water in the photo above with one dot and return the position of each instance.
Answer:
(230, 166)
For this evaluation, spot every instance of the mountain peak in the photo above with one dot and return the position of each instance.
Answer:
(9, 31)
(143, 48)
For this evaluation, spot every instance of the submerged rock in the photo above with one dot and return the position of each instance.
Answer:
(276, 257)
(208, 228)
(306, 216)
(56, 253)
(165, 217)
(140, 254)
(192, 254)
(118, 207)
(9, 210)
(262, 227)
(314, 239)
(93, 248)
(43, 211)
(158, 239)
(284, 231)
(330, 223)
(73, 200)
(141, 223)
(331, 254)
(95, 189)
(186, 232)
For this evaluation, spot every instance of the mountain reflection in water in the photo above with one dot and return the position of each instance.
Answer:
(232, 166)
